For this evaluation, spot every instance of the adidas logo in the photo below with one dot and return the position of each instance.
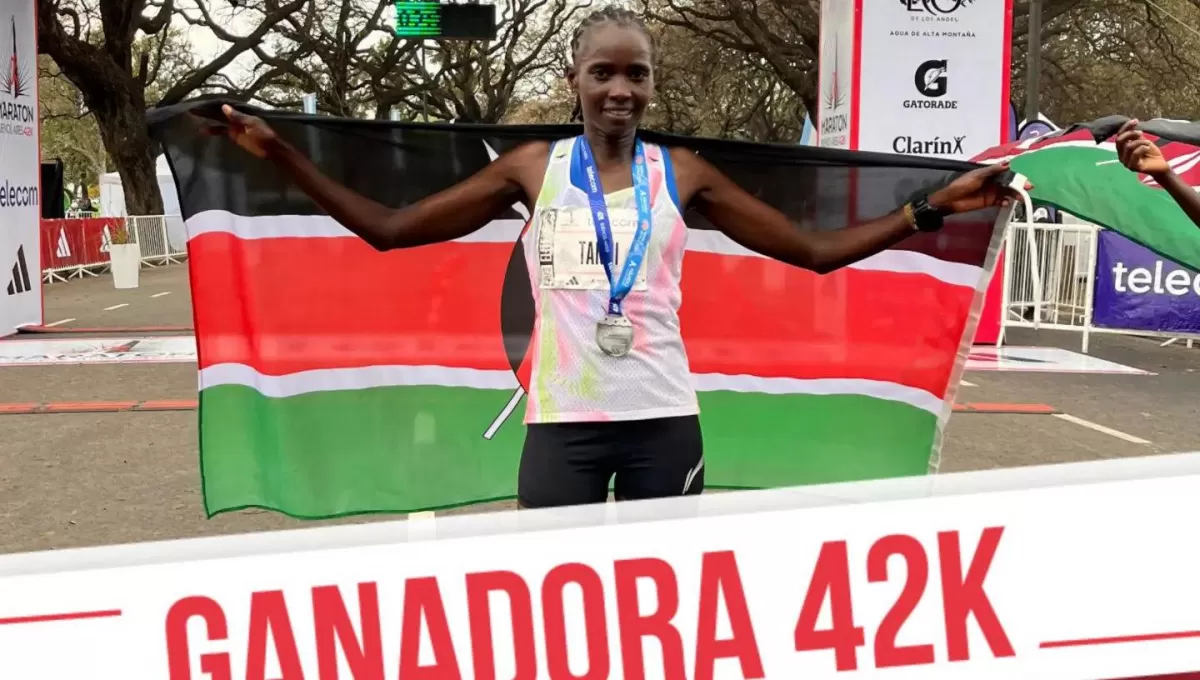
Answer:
(64, 248)
(20, 275)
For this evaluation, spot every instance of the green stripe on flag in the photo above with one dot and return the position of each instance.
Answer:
(1088, 182)
(405, 449)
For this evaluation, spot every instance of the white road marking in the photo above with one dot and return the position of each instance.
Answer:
(161, 294)
(1101, 428)
(964, 383)
(123, 304)
(59, 323)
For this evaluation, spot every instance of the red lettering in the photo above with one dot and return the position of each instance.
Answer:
(479, 589)
(594, 622)
(719, 578)
(269, 620)
(917, 564)
(334, 629)
(962, 596)
(832, 576)
(423, 601)
(634, 626)
(215, 665)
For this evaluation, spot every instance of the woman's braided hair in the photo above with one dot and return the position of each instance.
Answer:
(610, 14)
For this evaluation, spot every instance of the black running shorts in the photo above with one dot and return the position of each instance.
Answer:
(573, 463)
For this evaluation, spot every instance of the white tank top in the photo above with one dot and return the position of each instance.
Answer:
(570, 379)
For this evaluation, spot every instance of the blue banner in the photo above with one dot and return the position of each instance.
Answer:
(1138, 290)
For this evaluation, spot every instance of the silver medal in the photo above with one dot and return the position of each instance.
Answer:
(614, 334)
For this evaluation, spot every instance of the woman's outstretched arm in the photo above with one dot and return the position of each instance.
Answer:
(763, 229)
(1143, 156)
(449, 214)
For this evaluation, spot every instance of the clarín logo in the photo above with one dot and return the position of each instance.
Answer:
(937, 146)
(935, 7)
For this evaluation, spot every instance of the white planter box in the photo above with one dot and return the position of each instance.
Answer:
(126, 261)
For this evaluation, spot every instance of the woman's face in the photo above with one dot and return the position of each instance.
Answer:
(614, 78)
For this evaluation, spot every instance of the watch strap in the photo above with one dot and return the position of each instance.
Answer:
(924, 217)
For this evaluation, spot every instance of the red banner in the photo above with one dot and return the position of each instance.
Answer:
(77, 242)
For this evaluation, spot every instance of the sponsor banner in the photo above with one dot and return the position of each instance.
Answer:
(77, 242)
(20, 169)
(963, 576)
(1136, 289)
(76, 351)
(933, 76)
(836, 116)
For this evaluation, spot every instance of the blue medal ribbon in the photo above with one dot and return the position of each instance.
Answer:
(585, 166)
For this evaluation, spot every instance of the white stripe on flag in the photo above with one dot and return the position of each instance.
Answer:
(335, 379)
(508, 231)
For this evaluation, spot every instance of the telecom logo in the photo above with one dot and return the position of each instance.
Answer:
(18, 195)
(1144, 281)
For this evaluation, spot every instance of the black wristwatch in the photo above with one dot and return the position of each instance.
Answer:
(924, 216)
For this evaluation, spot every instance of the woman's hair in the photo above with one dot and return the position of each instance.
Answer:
(606, 15)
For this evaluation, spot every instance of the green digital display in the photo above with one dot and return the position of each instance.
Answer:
(416, 19)
(445, 21)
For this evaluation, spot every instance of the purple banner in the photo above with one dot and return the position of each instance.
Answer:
(1138, 290)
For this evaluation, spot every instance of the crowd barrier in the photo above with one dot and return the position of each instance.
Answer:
(1076, 276)
(78, 247)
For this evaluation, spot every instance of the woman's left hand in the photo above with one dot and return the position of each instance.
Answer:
(974, 190)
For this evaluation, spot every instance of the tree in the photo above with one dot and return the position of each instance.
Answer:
(702, 89)
(69, 131)
(479, 82)
(112, 50)
(785, 34)
(1136, 58)
(344, 51)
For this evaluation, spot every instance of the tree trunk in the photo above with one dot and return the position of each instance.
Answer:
(121, 117)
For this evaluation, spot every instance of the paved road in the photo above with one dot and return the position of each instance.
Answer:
(73, 480)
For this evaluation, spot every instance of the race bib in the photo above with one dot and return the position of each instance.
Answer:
(567, 254)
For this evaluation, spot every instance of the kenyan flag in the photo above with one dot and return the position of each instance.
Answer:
(335, 379)
(1077, 170)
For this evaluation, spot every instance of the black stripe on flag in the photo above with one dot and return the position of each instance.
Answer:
(398, 164)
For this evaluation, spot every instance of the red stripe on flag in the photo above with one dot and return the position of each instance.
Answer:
(284, 305)
(743, 315)
(291, 304)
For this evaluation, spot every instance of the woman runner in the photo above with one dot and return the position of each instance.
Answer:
(611, 391)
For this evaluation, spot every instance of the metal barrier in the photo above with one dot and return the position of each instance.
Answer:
(151, 234)
(74, 248)
(1050, 281)
(1049, 277)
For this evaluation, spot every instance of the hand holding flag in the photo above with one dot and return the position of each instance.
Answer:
(1140, 154)
(974, 190)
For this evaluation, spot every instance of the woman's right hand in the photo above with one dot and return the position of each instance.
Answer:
(249, 132)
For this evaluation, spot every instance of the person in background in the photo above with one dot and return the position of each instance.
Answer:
(1143, 156)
